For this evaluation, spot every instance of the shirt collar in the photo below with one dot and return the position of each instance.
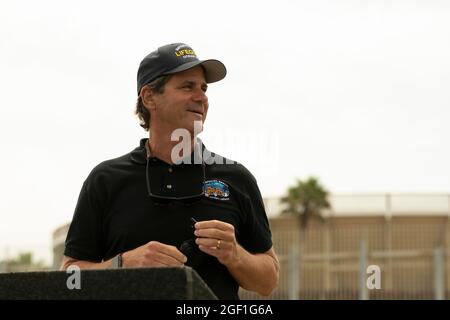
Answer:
(139, 154)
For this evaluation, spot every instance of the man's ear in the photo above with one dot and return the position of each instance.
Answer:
(147, 96)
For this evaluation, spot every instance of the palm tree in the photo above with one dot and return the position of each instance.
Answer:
(306, 199)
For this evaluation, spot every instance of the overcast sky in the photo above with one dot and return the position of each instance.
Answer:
(353, 92)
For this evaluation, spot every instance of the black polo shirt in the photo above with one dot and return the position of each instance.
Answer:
(115, 213)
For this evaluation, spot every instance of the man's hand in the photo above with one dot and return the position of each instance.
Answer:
(256, 272)
(153, 254)
(217, 238)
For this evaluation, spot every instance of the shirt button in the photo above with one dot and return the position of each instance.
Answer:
(169, 186)
(170, 170)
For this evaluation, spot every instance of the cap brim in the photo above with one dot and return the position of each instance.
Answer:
(214, 69)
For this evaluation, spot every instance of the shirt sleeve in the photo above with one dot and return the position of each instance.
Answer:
(256, 236)
(84, 238)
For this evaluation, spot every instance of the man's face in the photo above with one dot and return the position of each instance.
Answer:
(183, 101)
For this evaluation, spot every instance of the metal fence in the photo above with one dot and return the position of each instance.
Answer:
(334, 260)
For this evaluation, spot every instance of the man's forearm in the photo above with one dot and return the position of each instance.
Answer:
(256, 272)
(85, 264)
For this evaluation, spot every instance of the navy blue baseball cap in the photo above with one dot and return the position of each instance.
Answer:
(173, 58)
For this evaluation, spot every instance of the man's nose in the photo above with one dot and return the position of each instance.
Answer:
(200, 96)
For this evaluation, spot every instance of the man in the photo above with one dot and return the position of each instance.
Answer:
(163, 205)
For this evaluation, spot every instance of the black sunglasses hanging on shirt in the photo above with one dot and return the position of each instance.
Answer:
(191, 191)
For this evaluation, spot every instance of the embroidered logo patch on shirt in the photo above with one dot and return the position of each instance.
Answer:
(216, 189)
